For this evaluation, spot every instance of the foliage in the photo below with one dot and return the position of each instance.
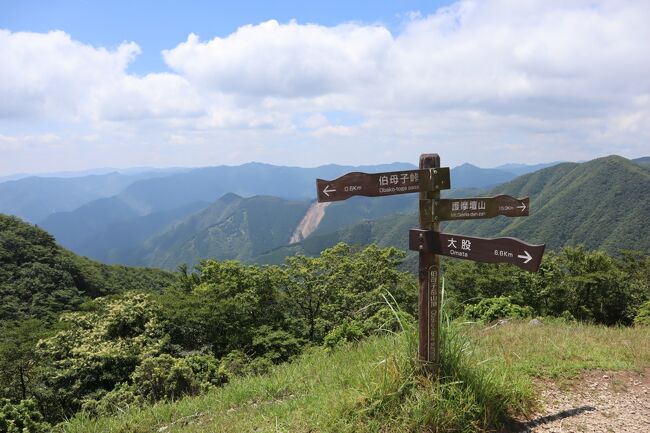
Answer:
(491, 309)
(348, 331)
(164, 378)
(275, 345)
(21, 418)
(98, 350)
(225, 320)
(119, 399)
(586, 285)
(643, 316)
(322, 292)
(237, 363)
(369, 387)
(388, 319)
(20, 365)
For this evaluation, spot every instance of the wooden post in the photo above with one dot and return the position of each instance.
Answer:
(429, 270)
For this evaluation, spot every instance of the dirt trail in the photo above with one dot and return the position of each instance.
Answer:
(599, 402)
(309, 222)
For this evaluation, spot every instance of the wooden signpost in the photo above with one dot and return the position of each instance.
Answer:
(429, 180)
(379, 184)
(481, 207)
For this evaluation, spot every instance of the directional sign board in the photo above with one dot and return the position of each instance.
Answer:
(496, 250)
(480, 207)
(381, 184)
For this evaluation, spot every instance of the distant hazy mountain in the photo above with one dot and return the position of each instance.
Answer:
(521, 169)
(34, 198)
(208, 184)
(151, 221)
(121, 241)
(643, 161)
(468, 175)
(75, 229)
(243, 228)
(92, 172)
(147, 190)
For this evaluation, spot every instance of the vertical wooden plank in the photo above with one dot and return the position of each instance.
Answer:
(428, 272)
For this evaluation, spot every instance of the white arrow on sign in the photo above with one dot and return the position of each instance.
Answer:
(522, 207)
(326, 191)
(527, 256)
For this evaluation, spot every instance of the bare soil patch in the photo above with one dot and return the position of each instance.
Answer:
(597, 402)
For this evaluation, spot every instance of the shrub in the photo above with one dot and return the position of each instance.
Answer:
(643, 315)
(349, 330)
(490, 309)
(275, 345)
(121, 398)
(237, 363)
(206, 371)
(164, 378)
(387, 319)
(21, 418)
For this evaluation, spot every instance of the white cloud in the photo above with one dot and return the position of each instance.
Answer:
(284, 60)
(52, 75)
(535, 79)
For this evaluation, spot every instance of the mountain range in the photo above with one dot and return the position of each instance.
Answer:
(603, 204)
(112, 228)
(262, 213)
(147, 190)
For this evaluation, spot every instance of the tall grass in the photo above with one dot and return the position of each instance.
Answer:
(466, 396)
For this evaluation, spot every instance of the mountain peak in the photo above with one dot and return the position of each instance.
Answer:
(229, 197)
(467, 166)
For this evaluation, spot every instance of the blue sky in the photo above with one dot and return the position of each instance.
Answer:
(157, 25)
(88, 84)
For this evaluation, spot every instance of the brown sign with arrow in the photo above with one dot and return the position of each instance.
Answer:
(481, 207)
(381, 184)
(496, 250)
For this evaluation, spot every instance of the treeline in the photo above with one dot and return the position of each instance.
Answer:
(64, 349)
(574, 283)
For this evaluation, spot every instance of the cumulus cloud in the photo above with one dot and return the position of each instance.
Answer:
(570, 79)
(51, 74)
(285, 60)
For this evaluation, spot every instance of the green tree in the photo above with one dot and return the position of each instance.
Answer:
(19, 360)
(99, 349)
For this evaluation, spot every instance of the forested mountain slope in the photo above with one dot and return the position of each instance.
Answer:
(604, 203)
(39, 279)
(233, 227)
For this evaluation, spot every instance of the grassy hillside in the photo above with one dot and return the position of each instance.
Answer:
(370, 386)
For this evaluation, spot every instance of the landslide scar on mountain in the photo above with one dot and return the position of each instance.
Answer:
(309, 222)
